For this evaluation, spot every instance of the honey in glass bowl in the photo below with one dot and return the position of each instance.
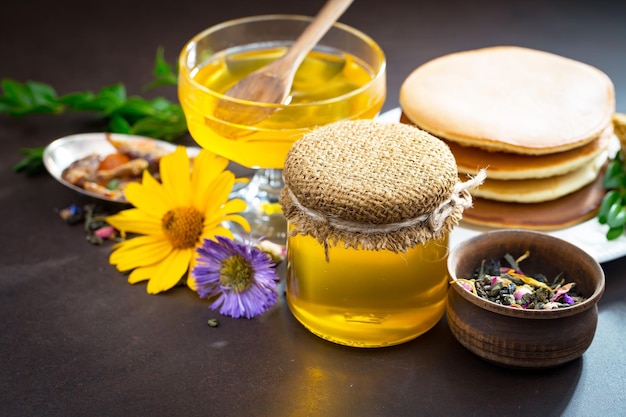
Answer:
(370, 206)
(342, 78)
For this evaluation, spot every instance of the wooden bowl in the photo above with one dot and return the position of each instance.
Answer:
(516, 337)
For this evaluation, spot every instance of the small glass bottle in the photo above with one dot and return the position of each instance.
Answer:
(370, 206)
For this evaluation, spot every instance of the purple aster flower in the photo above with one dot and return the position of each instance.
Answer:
(241, 277)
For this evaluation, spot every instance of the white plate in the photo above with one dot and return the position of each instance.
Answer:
(589, 235)
(59, 154)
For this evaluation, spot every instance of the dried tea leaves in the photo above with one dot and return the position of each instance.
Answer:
(509, 286)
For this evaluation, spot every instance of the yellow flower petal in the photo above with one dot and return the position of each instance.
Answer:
(207, 166)
(234, 206)
(226, 213)
(139, 251)
(215, 192)
(242, 221)
(175, 176)
(218, 192)
(211, 232)
(135, 221)
(170, 271)
(142, 274)
(149, 196)
(215, 223)
(191, 282)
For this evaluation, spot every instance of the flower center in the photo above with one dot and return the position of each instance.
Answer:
(236, 273)
(183, 227)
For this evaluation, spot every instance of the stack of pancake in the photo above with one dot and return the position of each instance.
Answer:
(541, 124)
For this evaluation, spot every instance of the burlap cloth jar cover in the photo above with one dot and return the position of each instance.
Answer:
(373, 185)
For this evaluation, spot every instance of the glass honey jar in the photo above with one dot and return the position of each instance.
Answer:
(370, 206)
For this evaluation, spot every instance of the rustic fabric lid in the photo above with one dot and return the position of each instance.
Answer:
(372, 185)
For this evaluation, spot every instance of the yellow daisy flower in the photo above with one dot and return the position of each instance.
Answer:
(174, 216)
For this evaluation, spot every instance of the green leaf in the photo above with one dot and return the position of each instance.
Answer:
(30, 97)
(168, 129)
(162, 71)
(15, 92)
(612, 209)
(616, 215)
(32, 163)
(41, 94)
(158, 118)
(614, 232)
(110, 98)
(161, 67)
(116, 90)
(608, 201)
(117, 124)
(105, 101)
(77, 101)
(614, 174)
(164, 105)
(133, 108)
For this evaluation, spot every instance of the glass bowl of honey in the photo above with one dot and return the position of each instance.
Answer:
(342, 78)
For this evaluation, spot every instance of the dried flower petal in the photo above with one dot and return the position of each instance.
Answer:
(522, 291)
(105, 232)
(561, 290)
(513, 288)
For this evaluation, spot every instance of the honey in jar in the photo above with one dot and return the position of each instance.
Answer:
(370, 206)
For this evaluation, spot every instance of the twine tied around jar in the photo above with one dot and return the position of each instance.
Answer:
(373, 185)
(434, 221)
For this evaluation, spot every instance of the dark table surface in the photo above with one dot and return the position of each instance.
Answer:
(77, 340)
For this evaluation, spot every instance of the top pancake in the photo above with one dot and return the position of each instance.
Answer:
(510, 99)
